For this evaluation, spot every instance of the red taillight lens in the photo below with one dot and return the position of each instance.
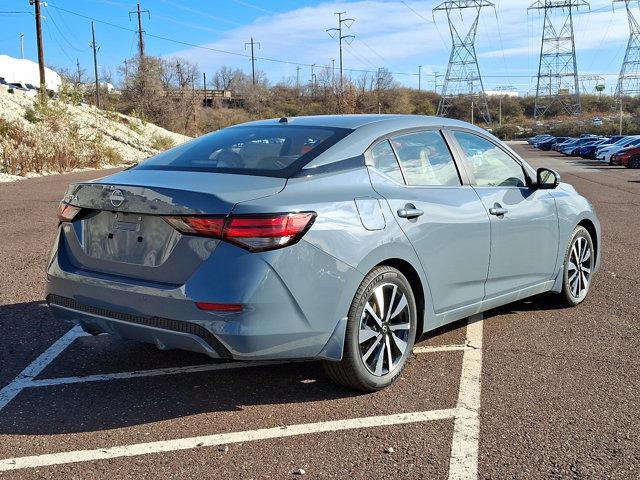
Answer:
(205, 226)
(253, 232)
(267, 232)
(219, 307)
(66, 212)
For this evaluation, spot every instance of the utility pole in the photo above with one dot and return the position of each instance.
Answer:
(436, 75)
(419, 78)
(347, 38)
(95, 63)
(313, 79)
(139, 12)
(500, 111)
(472, 116)
(298, 79)
(204, 83)
(43, 82)
(333, 71)
(620, 98)
(253, 59)
(378, 81)
(126, 70)
(22, 45)
(78, 71)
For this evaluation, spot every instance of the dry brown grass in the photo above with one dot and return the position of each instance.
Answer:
(54, 144)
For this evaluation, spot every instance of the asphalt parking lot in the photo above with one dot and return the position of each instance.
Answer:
(527, 391)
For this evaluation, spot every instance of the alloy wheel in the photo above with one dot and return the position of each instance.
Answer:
(385, 327)
(580, 267)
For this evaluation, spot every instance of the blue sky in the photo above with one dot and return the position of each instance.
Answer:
(398, 35)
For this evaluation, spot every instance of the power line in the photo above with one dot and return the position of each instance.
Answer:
(416, 12)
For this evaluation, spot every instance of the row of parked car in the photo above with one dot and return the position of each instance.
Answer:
(615, 150)
(25, 88)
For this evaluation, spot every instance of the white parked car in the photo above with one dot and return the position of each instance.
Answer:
(606, 151)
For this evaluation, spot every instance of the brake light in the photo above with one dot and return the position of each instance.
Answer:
(66, 212)
(252, 232)
(219, 307)
(203, 226)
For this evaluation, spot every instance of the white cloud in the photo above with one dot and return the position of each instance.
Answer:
(391, 35)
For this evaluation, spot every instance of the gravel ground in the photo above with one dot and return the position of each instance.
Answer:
(559, 386)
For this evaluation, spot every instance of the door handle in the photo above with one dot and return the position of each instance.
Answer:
(498, 210)
(410, 213)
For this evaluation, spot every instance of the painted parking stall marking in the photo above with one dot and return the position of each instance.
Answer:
(463, 463)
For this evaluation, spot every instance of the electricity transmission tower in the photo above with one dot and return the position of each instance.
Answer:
(629, 79)
(558, 81)
(463, 73)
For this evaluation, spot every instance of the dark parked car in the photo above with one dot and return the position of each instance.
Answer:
(547, 145)
(589, 149)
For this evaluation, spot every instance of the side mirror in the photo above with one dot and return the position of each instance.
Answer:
(547, 179)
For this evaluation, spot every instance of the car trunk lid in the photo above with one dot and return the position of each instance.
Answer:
(121, 230)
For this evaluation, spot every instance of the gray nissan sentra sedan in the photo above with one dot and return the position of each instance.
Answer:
(339, 238)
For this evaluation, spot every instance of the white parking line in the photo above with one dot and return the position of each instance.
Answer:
(221, 439)
(156, 372)
(24, 378)
(440, 348)
(463, 463)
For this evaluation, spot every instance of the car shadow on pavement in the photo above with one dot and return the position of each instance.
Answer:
(103, 405)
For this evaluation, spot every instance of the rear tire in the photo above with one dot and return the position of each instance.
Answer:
(381, 331)
(579, 261)
(634, 162)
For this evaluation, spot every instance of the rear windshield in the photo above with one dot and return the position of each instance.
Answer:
(272, 150)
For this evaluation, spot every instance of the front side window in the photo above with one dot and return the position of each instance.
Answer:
(382, 157)
(426, 159)
(268, 149)
(490, 165)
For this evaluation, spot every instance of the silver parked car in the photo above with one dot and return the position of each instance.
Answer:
(339, 238)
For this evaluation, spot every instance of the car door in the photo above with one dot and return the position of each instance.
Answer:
(442, 217)
(524, 220)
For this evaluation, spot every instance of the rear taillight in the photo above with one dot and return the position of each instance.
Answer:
(66, 212)
(252, 232)
(203, 226)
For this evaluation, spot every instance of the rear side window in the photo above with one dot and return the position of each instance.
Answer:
(273, 150)
(426, 160)
(383, 158)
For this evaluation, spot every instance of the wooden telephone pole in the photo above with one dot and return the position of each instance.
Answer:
(43, 83)
(95, 63)
(138, 11)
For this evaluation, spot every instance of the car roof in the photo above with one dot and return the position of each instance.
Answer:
(356, 121)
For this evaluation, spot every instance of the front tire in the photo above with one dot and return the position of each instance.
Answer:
(634, 162)
(579, 262)
(381, 331)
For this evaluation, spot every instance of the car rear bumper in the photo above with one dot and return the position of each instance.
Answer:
(166, 334)
(293, 302)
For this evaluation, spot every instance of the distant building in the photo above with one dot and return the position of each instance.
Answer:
(16, 70)
(499, 93)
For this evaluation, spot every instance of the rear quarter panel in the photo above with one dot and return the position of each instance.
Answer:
(340, 232)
